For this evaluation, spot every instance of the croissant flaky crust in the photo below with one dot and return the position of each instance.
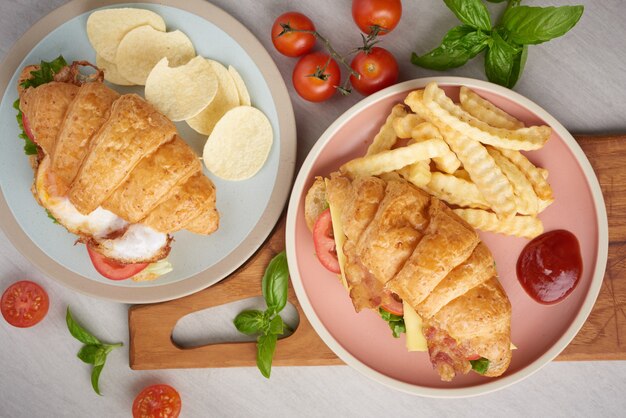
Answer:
(401, 240)
(117, 152)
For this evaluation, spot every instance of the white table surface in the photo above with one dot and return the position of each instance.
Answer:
(579, 79)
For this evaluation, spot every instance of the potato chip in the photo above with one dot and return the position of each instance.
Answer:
(534, 174)
(225, 99)
(525, 198)
(386, 136)
(181, 92)
(492, 183)
(106, 28)
(520, 226)
(111, 73)
(456, 191)
(242, 90)
(486, 111)
(417, 173)
(394, 159)
(453, 116)
(448, 162)
(143, 47)
(403, 125)
(239, 144)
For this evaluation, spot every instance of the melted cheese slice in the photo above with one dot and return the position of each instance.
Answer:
(340, 239)
(415, 340)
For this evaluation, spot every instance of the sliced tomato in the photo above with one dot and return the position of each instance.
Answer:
(394, 305)
(112, 269)
(473, 357)
(24, 304)
(161, 401)
(26, 126)
(324, 242)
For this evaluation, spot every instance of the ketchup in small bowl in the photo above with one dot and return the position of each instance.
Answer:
(550, 266)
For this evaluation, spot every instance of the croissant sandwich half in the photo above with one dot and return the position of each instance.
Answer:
(110, 168)
(396, 241)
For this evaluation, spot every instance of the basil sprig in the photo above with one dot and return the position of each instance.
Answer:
(480, 366)
(396, 322)
(506, 43)
(93, 351)
(267, 324)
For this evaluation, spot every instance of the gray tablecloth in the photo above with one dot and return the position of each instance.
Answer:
(579, 79)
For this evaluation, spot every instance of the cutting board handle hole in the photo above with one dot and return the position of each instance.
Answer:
(215, 325)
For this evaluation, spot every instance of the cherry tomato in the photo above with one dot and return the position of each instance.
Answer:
(383, 13)
(293, 44)
(112, 269)
(312, 88)
(394, 306)
(24, 304)
(161, 401)
(324, 242)
(27, 130)
(378, 69)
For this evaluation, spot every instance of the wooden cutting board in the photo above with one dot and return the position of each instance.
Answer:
(603, 337)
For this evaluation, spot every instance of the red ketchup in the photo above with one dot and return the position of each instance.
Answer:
(550, 266)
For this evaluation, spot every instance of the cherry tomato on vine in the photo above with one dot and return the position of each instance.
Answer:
(310, 87)
(378, 69)
(24, 304)
(293, 44)
(383, 13)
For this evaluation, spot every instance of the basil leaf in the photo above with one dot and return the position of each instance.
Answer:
(45, 73)
(275, 283)
(78, 332)
(499, 61)
(396, 322)
(519, 63)
(250, 322)
(480, 366)
(277, 325)
(496, 1)
(95, 377)
(88, 353)
(266, 344)
(460, 44)
(471, 12)
(533, 25)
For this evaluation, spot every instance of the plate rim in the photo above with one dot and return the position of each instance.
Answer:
(499, 383)
(278, 198)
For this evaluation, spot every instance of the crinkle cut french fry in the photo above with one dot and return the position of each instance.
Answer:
(486, 111)
(394, 159)
(403, 125)
(492, 183)
(526, 200)
(521, 226)
(534, 174)
(448, 162)
(455, 117)
(386, 136)
(456, 191)
(417, 173)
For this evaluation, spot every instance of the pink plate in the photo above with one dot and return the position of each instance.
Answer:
(540, 332)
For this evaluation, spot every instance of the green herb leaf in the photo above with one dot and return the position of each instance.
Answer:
(95, 377)
(496, 1)
(275, 283)
(54, 220)
(78, 332)
(45, 73)
(266, 344)
(480, 366)
(460, 44)
(499, 61)
(88, 353)
(519, 63)
(396, 322)
(250, 322)
(528, 25)
(29, 146)
(276, 325)
(471, 12)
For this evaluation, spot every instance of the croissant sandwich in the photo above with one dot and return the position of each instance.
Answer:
(110, 168)
(396, 241)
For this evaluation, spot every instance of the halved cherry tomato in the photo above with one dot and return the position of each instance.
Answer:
(324, 242)
(394, 306)
(383, 13)
(378, 69)
(161, 401)
(312, 88)
(27, 130)
(111, 269)
(24, 304)
(293, 44)
(473, 357)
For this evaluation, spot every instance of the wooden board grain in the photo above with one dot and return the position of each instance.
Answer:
(603, 337)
